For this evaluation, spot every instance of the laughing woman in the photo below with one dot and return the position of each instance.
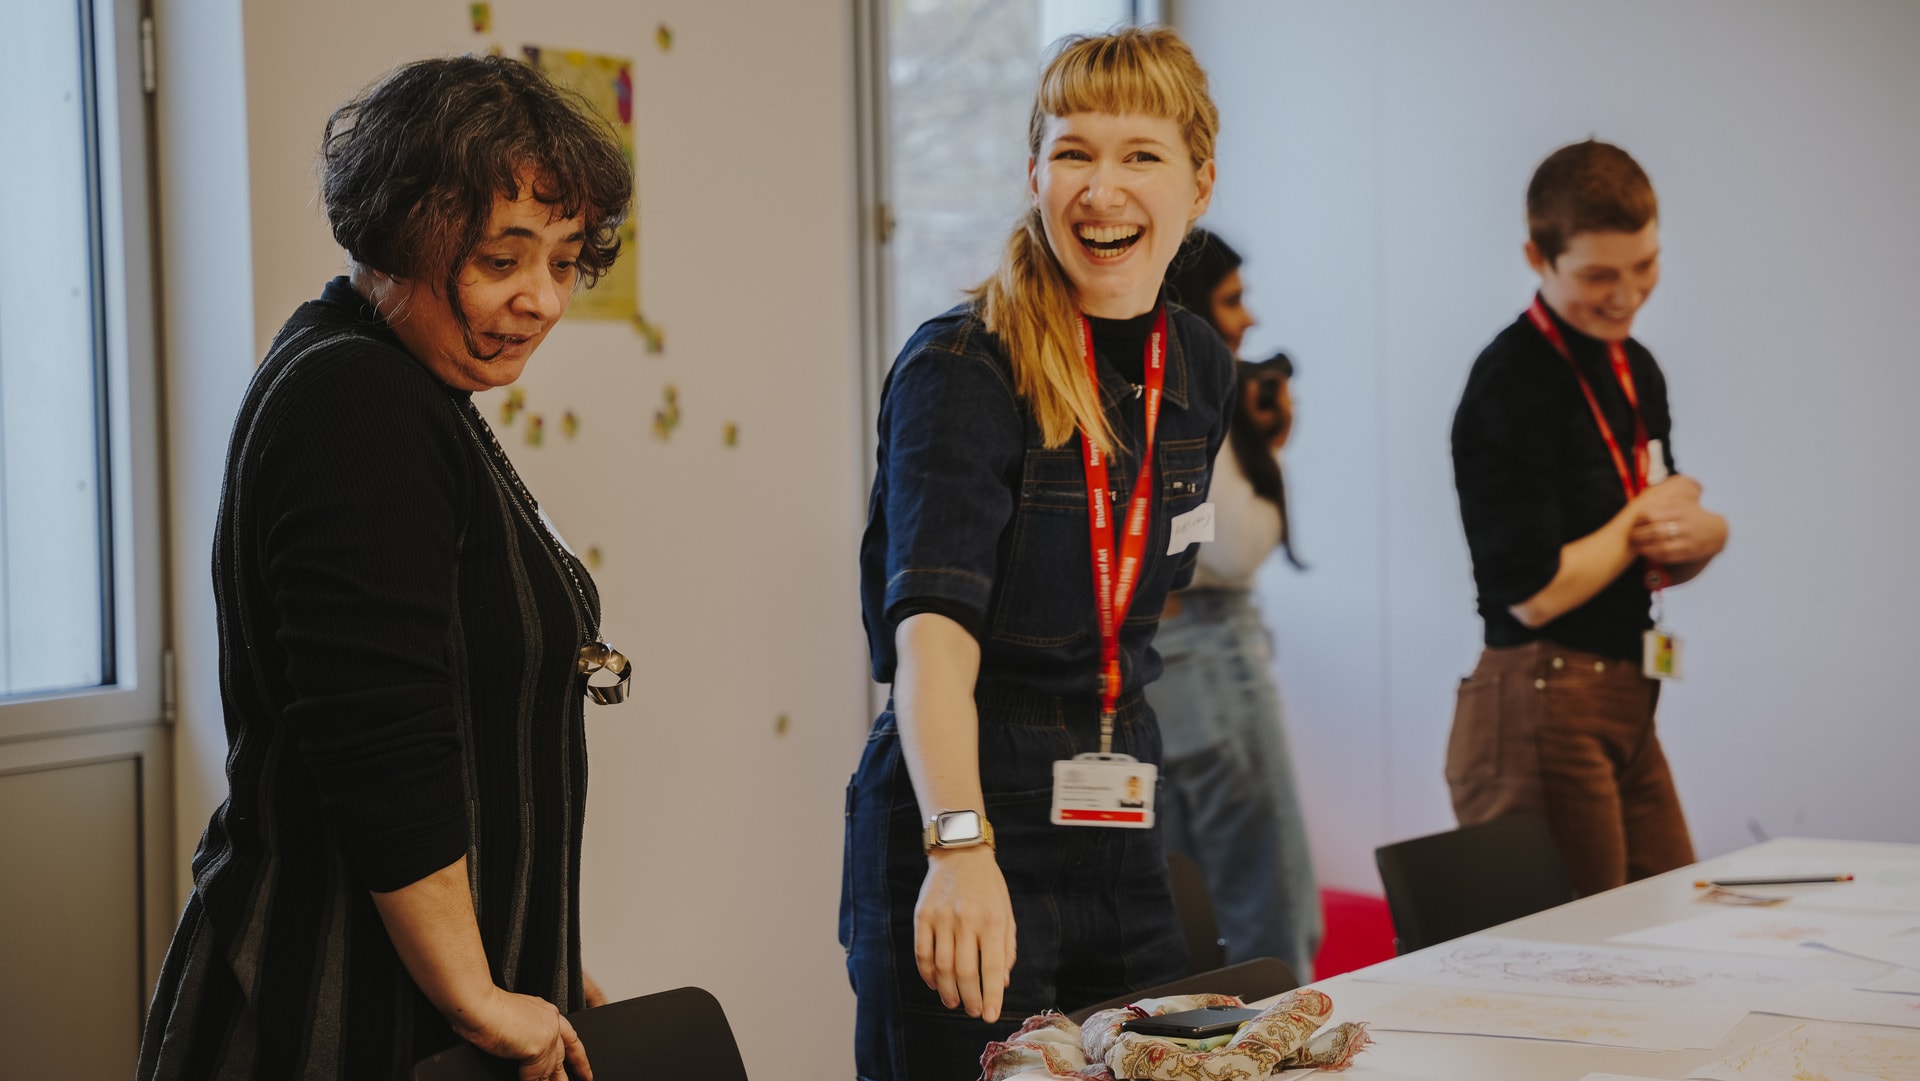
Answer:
(1066, 375)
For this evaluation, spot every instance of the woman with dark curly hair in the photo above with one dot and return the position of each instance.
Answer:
(405, 640)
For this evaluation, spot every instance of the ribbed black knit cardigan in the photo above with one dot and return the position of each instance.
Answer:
(397, 639)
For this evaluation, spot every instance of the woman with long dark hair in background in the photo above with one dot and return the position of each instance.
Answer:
(1230, 801)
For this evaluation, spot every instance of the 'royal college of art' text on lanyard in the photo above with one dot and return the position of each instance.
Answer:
(1116, 574)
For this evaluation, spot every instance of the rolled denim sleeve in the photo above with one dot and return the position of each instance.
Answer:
(952, 441)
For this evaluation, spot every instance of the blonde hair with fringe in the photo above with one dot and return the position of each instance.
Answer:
(1028, 303)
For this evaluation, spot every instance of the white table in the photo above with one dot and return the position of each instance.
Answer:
(1590, 921)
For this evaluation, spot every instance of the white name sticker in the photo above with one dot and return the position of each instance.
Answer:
(1193, 527)
(1110, 790)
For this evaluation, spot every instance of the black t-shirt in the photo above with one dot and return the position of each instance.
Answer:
(1533, 473)
(1123, 343)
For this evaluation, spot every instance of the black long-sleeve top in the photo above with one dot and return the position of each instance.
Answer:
(1533, 474)
(398, 635)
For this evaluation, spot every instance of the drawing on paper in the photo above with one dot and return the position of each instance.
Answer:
(1588, 969)
(1794, 933)
(1824, 1052)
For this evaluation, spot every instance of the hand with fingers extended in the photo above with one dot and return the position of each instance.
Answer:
(963, 931)
(529, 1031)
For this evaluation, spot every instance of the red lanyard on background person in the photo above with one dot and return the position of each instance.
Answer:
(1633, 481)
(1116, 574)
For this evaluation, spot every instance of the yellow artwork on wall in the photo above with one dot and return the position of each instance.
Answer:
(606, 82)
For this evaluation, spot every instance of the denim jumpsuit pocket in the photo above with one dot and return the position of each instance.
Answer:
(1183, 476)
(869, 801)
(1049, 547)
(1182, 480)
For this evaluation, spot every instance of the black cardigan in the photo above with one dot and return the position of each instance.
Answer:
(397, 642)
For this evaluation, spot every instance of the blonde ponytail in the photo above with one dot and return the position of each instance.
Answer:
(1028, 304)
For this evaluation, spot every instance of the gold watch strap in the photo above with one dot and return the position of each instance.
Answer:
(930, 837)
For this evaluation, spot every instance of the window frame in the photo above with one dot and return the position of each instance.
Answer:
(132, 441)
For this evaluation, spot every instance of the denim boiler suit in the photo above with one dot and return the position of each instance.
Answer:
(969, 508)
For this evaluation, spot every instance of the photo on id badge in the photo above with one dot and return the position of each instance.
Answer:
(1103, 790)
(1660, 654)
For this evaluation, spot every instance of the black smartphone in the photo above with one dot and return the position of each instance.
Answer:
(1193, 1024)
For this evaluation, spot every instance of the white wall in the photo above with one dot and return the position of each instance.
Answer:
(1373, 166)
(713, 841)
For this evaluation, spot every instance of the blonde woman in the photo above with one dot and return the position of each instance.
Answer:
(992, 871)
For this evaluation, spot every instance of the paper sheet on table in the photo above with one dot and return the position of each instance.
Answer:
(1766, 932)
(1617, 1077)
(1901, 949)
(1818, 1051)
(1495, 963)
(1896, 981)
(1664, 1027)
(1829, 1001)
(1863, 895)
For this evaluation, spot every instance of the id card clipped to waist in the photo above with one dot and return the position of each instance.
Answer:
(1111, 790)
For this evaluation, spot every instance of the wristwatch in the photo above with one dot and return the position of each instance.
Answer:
(957, 829)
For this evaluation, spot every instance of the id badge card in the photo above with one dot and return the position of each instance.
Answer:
(1660, 654)
(1111, 790)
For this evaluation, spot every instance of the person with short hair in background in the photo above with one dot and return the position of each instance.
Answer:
(1064, 420)
(1577, 519)
(1231, 801)
(405, 640)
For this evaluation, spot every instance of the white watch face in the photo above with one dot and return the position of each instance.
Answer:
(953, 827)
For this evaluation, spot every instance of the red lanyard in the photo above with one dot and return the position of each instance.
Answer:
(1633, 482)
(1114, 581)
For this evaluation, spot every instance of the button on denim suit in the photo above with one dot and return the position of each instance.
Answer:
(971, 511)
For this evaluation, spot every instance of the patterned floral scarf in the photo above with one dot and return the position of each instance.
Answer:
(1282, 1037)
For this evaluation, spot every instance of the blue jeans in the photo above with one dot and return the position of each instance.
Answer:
(1228, 798)
(1092, 907)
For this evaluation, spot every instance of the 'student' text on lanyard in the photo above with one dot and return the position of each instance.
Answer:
(1116, 574)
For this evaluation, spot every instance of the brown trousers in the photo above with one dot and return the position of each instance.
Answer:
(1569, 734)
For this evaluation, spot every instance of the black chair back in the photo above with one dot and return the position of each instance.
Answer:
(1261, 977)
(1455, 883)
(679, 1033)
(1206, 950)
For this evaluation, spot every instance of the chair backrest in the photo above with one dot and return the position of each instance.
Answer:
(1261, 977)
(1455, 883)
(1206, 950)
(679, 1033)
